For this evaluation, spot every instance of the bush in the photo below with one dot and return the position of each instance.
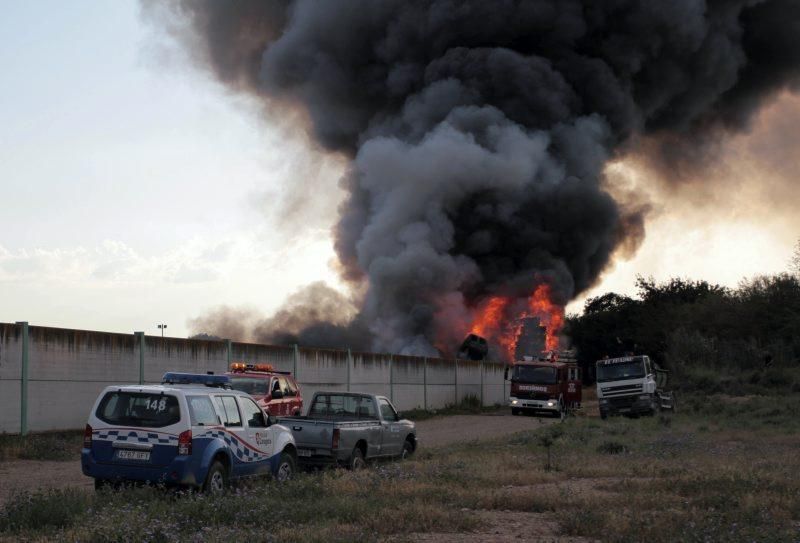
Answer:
(611, 447)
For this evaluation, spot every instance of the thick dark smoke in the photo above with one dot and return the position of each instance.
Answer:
(478, 130)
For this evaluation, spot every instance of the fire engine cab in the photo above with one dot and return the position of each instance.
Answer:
(546, 385)
(275, 391)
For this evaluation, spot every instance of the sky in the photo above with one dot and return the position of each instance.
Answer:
(137, 191)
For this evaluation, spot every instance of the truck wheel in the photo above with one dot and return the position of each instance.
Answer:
(286, 467)
(603, 415)
(408, 449)
(216, 480)
(357, 460)
(515, 411)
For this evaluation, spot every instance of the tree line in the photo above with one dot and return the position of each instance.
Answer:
(711, 337)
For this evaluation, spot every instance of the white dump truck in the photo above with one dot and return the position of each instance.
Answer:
(632, 385)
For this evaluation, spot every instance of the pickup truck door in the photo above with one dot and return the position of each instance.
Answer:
(391, 430)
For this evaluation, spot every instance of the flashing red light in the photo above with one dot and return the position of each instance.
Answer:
(87, 437)
(241, 366)
(185, 443)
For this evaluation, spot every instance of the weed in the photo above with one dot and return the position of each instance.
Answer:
(612, 447)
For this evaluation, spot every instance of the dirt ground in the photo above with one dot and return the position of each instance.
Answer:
(504, 527)
(19, 475)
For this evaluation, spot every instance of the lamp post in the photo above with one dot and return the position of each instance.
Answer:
(162, 327)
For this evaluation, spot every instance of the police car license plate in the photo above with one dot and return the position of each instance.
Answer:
(133, 455)
(303, 452)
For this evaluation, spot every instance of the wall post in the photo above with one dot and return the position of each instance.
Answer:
(391, 378)
(425, 383)
(481, 383)
(23, 392)
(349, 363)
(455, 382)
(140, 340)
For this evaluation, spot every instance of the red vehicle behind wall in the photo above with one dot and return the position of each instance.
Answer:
(275, 391)
(544, 387)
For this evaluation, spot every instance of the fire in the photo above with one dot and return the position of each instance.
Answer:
(499, 320)
(551, 316)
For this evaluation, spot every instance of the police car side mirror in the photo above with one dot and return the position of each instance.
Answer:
(271, 419)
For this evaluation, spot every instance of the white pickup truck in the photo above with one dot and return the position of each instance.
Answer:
(348, 429)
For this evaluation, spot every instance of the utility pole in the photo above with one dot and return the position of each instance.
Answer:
(162, 327)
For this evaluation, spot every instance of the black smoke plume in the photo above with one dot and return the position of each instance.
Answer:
(478, 131)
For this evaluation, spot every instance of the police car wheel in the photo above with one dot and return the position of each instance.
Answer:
(286, 468)
(216, 480)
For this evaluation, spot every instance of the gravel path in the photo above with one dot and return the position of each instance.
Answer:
(441, 431)
(19, 475)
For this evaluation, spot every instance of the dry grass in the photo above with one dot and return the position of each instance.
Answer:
(727, 475)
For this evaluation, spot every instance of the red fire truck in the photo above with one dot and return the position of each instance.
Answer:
(546, 385)
(275, 391)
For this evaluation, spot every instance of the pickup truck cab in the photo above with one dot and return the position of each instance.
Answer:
(348, 429)
(192, 430)
(275, 391)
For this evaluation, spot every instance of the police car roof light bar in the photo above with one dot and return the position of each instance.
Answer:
(174, 378)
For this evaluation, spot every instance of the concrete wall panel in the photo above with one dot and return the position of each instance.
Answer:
(9, 406)
(68, 368)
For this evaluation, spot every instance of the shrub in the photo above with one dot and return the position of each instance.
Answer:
(611, 447)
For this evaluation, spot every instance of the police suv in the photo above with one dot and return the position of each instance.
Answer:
(191, 430)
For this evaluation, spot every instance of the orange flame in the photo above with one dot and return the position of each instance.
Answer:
(497, 322)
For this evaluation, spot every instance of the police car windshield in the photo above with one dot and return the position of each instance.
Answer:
(619, 371)
(139, 409)
(537, 375)
(254, 386)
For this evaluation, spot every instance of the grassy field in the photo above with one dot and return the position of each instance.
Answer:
(723, 469)
(46, 446)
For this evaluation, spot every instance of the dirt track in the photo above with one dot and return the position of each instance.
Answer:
(19, 475)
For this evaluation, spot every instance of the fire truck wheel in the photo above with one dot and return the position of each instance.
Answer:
(216, 480)
(357, 460)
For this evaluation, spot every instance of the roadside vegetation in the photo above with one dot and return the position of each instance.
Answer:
(723, 469)
(45, 446)
(469, 405)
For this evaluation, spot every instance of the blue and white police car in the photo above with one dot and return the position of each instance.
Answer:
(191, 430)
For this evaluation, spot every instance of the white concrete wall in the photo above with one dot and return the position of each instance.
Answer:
(68, 368)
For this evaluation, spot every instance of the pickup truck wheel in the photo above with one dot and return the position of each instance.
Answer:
(286, 468)
(216, 480)
(514, 411)
(408, 449)
(357, 460)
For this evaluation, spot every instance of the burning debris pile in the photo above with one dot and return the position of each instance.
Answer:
(477, 133)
